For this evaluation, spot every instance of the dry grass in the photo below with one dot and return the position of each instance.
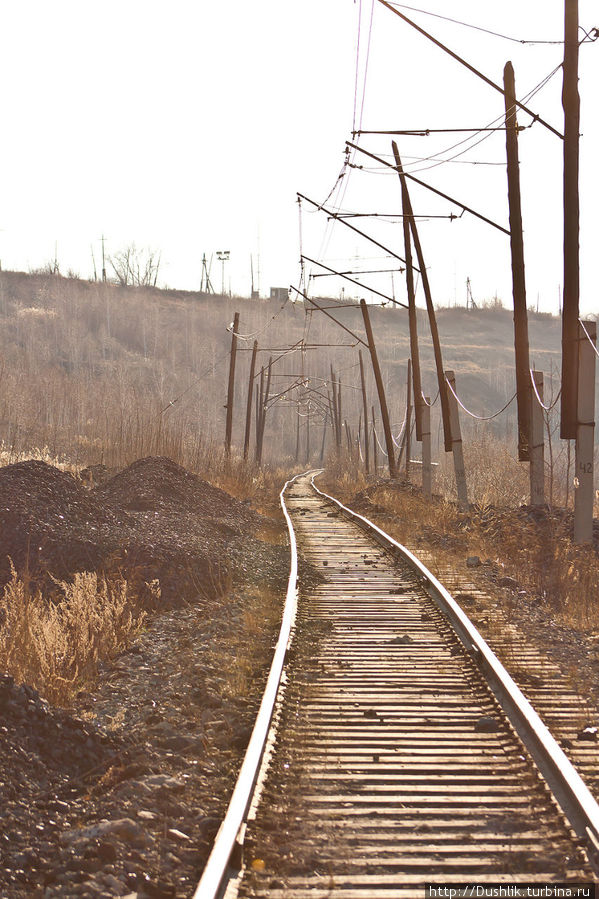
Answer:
(56, 645)
(260, 617)
(538, 553)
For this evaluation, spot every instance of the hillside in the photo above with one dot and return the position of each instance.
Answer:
(89, 370)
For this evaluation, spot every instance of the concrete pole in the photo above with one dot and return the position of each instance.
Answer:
(231, 387)
(584, 494)
(248, 411)
(537, 443)
(427, 468)
(456, 439)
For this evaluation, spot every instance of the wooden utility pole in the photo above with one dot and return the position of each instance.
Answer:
(365, 407)
(248, 412)
(427, 468)
(259, 411)
(458, 452)
(332, 413)
(537, 443)
(584, 494)
(339, 419)
(324, 436)
(308, 437)
(412, 316)
(231, 389)
(297, 434)
(571, 106)
(523, 384)
(263, 402)
(335, 410)
(432, 318)
(380, 388)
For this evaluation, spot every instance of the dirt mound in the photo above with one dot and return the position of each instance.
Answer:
(50, 522)
(158, 484)
(154, 520)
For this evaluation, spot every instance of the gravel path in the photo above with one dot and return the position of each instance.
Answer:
(123, 793)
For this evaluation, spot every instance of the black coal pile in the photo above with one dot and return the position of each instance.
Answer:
(154, 520)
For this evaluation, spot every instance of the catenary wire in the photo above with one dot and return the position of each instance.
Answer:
(473, 414)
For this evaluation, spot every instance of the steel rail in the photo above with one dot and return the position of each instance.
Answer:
(568, 788)
(218, 867)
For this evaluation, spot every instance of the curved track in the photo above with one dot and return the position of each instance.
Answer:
(394, 764)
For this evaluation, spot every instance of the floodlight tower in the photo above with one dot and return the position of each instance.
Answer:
(223, 256)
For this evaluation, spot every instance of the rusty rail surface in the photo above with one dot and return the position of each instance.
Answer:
(404, 752)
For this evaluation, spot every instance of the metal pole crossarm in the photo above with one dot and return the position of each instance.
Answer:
(434, 190)
(392, 215)
(424, 132)
(334, 215)
(369, 271)
(470, 67)
(328, 315)
(293, 348)
(271, 399)
(363, 286)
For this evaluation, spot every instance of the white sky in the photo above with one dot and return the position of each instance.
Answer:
(188, 127)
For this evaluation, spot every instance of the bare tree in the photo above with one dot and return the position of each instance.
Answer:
(136, 267)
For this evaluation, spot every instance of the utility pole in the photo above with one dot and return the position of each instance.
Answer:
(339, 419)
(374, 450)
(94, 263)
(584, 493)
(254, 295)
(297, 434)
(571, 106)
(523, 384)
(365, 407)
(432, 319)
(264, 401)
(537, 444)
(408, 431)
(231, 389)
(248, 414)
(205, 283)
(380, 389)
(458, 453)
(336, 406)
(324, 435)
(412, 317)
(259, 411)
(103, 260)
(405, 441)
(427, 468)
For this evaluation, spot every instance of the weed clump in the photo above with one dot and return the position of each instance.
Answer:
(55, 645)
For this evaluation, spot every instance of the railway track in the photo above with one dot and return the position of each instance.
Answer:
(398, 752)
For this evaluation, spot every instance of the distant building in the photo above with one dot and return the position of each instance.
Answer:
(279, 293)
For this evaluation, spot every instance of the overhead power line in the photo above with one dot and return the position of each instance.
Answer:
(328, 315)
(467, 65)
(505, 37)
(433, 189)
(363, 286)
(335, 216)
